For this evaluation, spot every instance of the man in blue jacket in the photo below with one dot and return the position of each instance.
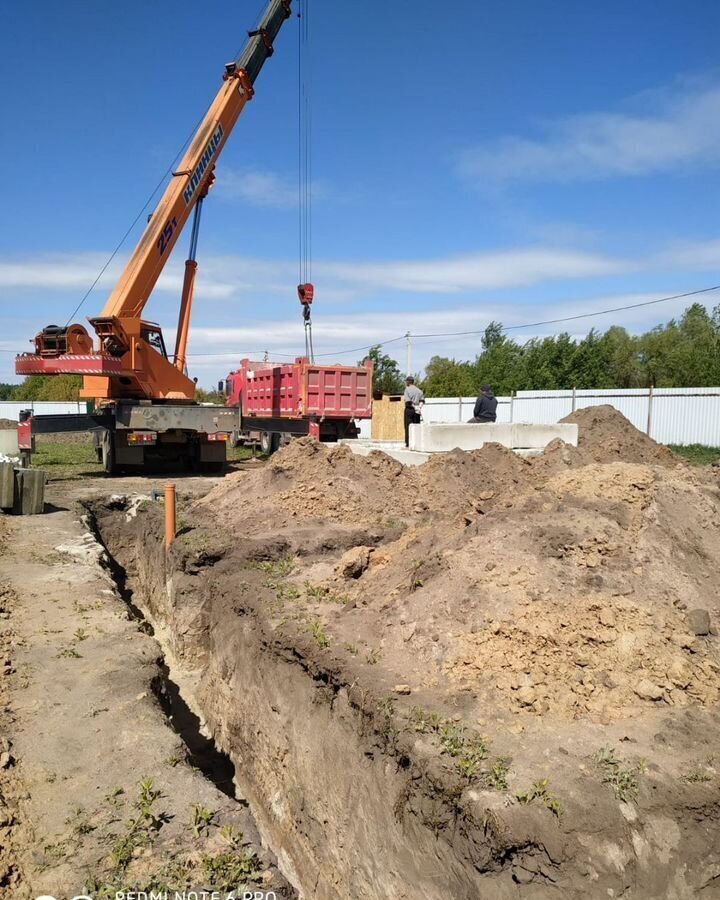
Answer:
(485, 406)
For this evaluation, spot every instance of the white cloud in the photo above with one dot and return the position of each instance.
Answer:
(260, 187)
(478, 271)
(680, 130)
(700, 256)
(220, 277)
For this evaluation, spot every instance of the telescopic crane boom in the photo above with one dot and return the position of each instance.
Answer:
(131, 362)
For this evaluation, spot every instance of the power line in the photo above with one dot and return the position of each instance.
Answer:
(134, 222)
(602, 312)
(448, 334)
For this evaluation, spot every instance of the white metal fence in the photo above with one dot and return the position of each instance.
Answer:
(10, 409)
(668, 415)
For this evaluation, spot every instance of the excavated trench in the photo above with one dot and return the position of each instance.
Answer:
(347, 777)
(203, 753)
(317, 759)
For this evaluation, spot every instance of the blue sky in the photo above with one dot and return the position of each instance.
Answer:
(508, 160)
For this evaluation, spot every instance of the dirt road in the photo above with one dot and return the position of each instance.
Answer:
(98, 790)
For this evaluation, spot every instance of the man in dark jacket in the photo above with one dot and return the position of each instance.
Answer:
(485, 406)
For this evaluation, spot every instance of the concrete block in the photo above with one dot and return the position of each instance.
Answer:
(532, 436)
(9, 441)
(7, 486)
(396, 449)
(29, 492)
(434, 437)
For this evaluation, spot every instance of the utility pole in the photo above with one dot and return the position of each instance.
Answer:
(408, 355)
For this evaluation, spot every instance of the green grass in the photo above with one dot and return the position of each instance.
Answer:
(65, 455)
(72, 460)
(697, 454)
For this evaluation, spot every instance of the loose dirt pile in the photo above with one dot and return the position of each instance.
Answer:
(565, 585)
(528, 645)
(605, 435)
(308, 480)
(7, 423)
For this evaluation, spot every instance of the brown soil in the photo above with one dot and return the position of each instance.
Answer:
(308, 480)
(605, 435)
(557, 608)
(7, 423)
(99, 791)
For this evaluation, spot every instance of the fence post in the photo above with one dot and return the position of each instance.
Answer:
(512, 405)
(459, 409)
(573, 400)
(650, 406)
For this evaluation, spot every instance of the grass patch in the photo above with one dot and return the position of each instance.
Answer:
(697, 454)
(65, 455)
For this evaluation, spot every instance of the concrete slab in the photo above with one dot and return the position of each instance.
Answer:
(438, 437)
(29, 492)
(7, 486)
(532, 436)
(396, 449)
(9, 441)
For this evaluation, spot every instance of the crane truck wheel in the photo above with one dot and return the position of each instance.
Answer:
(269, 442)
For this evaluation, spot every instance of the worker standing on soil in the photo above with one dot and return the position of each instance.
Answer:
(414, 401)
(485, 406)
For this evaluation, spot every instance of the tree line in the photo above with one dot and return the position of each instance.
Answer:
(681, 353)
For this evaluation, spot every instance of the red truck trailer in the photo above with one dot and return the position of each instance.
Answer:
(277, 401)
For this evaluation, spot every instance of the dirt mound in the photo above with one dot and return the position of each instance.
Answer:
(606, 435)
(306, 479)
(8, 423)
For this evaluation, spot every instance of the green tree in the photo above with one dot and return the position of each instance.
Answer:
(387, 378)
(6, 391)
(448, 378)
(49, 387)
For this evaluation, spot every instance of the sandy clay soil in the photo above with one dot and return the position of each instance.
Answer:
(484, 677)
(106, 780)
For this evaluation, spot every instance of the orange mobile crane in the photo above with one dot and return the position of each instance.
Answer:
(144, 401)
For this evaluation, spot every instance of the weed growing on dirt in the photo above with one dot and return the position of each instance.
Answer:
(352, 649)
(276, 568)
(173, 760)
(201, 819)
(539, 791)
(139, 829)
(68, 653)
(415, 578)
(386, 707)
(623, 779)
(321, 593)
(321, 638)
(696, 775)
(423, 721)
(372, 657)
(230, 870)
(81, 634)
(452, 739)
(496, 776)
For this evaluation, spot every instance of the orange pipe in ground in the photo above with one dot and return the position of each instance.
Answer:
(169, 515)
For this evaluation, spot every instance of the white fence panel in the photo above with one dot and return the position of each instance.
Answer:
(460, 409)
(672, 415)
(10, 409)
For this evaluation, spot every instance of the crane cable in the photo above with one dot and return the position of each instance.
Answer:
(305, 288)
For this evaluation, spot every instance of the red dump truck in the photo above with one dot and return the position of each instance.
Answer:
(278, 401)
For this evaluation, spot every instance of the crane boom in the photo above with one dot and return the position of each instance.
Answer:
(131, 362)
(195, 170)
